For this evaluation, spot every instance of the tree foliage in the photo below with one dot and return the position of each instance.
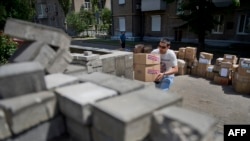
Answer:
(65, 5)
(19, 9)
(7, 48)
(106, 18)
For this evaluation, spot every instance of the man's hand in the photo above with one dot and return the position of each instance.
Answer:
(159, 77)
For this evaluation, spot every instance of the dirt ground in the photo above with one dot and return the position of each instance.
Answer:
(221, 102)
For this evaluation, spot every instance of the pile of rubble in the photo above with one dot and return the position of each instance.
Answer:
(41, 99)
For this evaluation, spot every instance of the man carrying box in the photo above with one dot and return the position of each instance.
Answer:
(168, 65)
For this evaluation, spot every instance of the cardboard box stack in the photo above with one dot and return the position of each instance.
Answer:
(147, 66)
(217, 65)
(203, 64)
(182, 67)
(225, 69)
(241, 79)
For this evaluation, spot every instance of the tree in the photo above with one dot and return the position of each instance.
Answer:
(199, 16)
(106, 19)
(19, 9)
(65, 4)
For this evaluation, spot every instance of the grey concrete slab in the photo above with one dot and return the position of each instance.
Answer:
(37, 32)
(129, 60)
(75, 101)
(120, 65)
(129, 73)
(61, 61)
(59, 80)
(121, 85)
(108, 64)
(96, 77)
(178, 124)
(35, 51)
(44, 131)
(127, 117)
(79, 56)
(21, 78)
(24, 112)
(99, 136)
(4, 127)
(78, 131)
(75, 69)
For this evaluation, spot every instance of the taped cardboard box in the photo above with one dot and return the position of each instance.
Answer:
(244, 63)
(205, 58)
(241, 83)
(218, 61)
(231, 58)
(221, 80)
(202, 69)
(146, 73)
(190, 53)
(147, 59)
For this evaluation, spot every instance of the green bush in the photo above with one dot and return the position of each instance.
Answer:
(7, 48)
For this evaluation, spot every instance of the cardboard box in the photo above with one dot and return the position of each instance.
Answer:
(244, 63)
(221, 80)
(224, 72)
(206, 55)
(194, 70)
(139, 48)
(146, 59)
(176, 53)
(218, 61)
(181, 63)
(241, 83)
(146, 73)
(231, 58)
(216, 68)
(210, 75)
(228, 65)
(243, 71)
(147, 49)
(190, 53)
(181, 53)
(202, 69)
(182, 71)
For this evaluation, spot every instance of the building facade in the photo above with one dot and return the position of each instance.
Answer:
(153, 19)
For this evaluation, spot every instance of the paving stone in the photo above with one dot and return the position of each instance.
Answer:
(128, 117)
(121, 85)
(61, 61)
(4, 127)
(96, 77)
(78, 131)
(59, 80)
(44, 131)
(24, 112)
(21, 78)
(178, 124)
(37, 32)
(35, 51)
(75, 100)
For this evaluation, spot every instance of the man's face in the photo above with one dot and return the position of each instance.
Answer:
(163, 47)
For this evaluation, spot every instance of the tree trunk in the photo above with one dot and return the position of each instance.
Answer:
(201, 38)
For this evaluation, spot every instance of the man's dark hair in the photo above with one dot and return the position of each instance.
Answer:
(165, 40)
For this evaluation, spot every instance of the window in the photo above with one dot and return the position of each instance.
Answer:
(122, 24)
(121, 1)
(179, 10)
(42, 10)
(220, 27)
(156, 23)
(243, 24)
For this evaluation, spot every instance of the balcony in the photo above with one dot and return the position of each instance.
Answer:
(222, 3)
(153, 5)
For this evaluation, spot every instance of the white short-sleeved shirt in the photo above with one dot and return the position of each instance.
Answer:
(168, 60)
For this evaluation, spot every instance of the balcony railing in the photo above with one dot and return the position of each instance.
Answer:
(153, 5)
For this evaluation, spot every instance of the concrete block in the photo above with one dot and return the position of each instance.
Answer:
(21, 78)
(37, 32)
(44, 131)
(24, 112)
(78, 131)
(75, 70)
(93, 63)
(129, 73)
(79, 56)
(178, 124)
(75, 100)
(61, 61)
(96, 77)
(98, 69)
(4, 127)
(128, 117)
(99, 136)
(59, 80)
(129, 61)
(108, 64)
(121, 85)
(35, 51)
(87, 53)
(120, 65)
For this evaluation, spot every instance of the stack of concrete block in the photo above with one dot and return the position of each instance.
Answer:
(76, 104)
(178, 124)
(21, 78)
(91, 61)
(48, 46)
(130, 118)
(121, 85)
(26, 112)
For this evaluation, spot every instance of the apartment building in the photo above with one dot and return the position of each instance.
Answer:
(153, 19)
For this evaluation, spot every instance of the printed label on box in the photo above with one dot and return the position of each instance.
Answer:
(153, 58)
(224, 72)
(204, 61)
(229, 56)
(153, 71)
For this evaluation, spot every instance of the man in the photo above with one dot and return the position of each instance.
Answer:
(168, 65)
(122, 40)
